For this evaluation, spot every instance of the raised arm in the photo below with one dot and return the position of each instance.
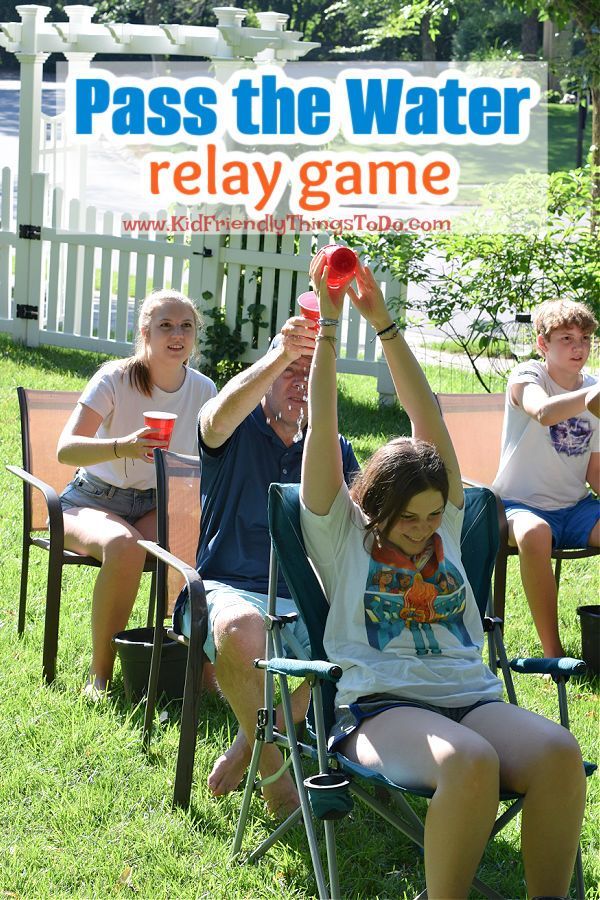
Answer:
(412, 388)
(222, 415)
(322, 469)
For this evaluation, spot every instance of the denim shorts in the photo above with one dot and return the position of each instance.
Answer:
(349, 718)
(87, 491)
(571, 527)
(221, 596)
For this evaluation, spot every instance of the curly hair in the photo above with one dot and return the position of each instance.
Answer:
(555, 314)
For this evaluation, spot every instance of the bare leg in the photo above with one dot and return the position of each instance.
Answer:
(239, 639)
(418, 748)
(533, 538)
(113, 541)
(542, 760)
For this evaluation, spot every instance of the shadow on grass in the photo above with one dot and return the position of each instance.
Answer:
(51, 359)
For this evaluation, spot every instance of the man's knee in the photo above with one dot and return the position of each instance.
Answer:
(239, 633)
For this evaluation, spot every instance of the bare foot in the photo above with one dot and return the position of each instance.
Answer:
(281, 797)
(95, 690)
(229, 769)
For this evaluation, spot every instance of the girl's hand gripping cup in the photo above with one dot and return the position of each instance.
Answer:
(341, 264)
(162, 424)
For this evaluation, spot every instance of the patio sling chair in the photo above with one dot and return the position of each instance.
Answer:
(178, 518)
(474, 422)
(329, 794)
(43, 417)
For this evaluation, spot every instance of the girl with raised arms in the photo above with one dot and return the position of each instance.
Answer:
(415, 701)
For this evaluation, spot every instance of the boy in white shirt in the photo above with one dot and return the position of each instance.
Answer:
(549, 456)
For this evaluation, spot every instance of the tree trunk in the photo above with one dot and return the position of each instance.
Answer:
(530, 35)
(595, 224)
(427, 44)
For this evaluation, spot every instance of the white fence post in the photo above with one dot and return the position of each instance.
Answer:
(30, 112)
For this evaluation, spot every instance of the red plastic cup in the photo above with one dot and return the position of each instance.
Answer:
(309, 305)
(341, 262)
(162, 424)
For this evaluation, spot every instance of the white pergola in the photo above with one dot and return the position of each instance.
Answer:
(229, 45)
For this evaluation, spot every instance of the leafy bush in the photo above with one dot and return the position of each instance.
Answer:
(487, 276)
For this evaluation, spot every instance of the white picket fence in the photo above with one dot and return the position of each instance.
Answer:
(87, 278)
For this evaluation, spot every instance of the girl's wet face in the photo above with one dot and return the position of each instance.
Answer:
(172, 331)
(416, 524)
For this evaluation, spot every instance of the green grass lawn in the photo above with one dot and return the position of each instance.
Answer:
(84, 813)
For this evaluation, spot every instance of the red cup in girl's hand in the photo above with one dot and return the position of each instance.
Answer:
(309, 305)
(162, 424)
(341, 263)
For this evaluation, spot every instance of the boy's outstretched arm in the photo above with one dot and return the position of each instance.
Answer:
(533, 399)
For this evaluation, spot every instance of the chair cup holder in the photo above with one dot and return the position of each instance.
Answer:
(329, 796)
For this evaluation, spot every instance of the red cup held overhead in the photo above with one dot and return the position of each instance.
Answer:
(341, 263)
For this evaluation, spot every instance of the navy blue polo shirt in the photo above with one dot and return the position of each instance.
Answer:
(234, 543)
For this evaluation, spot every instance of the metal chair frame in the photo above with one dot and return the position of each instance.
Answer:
(190, 467)
(288, 545)
(474, 472)
(54, 543)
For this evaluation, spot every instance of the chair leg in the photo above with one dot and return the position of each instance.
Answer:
(189, 724)
(579, 881)
(24, 580)
(53, 587)
(151, 601)
(557, 568)
(500, 584)
(152, 684)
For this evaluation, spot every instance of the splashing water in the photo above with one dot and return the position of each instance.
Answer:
(298, 436)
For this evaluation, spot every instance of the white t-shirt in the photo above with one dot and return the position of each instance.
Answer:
(396, 627)
(122, 407)
(544, 466)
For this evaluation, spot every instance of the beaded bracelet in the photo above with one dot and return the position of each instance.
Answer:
(332, 322)
(392, 336)
(385, 330)
(330, 340)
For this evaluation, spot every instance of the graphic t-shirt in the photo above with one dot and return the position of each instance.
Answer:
(544, 466)
(397, 625)
(407, 594)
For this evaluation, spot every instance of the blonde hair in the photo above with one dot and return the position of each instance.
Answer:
(136, 366)
(555, 314)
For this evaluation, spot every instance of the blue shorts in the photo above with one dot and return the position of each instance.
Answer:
(349, 718)
(221, 596)
(571, 527)
(87, 491)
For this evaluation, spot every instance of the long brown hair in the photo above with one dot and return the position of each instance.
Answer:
(395, 473)
(136, 366)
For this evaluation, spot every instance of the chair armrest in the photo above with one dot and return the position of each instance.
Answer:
(55, 516)
(301, 668)
(194, 583)
(559, 666)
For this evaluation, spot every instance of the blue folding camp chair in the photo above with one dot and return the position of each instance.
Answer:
(329, 795)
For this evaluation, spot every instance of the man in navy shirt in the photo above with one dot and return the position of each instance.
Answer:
(251, 435)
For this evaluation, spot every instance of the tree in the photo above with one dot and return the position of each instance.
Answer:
(486, 276)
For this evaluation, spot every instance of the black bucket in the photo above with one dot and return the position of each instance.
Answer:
(590, 637)
(134, 649)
